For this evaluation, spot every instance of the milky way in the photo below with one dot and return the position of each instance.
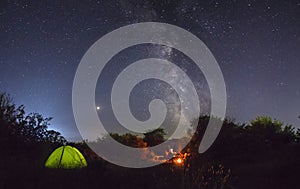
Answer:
(256, 44)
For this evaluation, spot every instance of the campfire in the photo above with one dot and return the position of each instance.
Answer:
(179, 158)
(171, 157)
(178, 161)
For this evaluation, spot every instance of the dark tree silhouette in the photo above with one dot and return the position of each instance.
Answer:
(129, 140)
(16, 126)
(154, 137)
(150, 138)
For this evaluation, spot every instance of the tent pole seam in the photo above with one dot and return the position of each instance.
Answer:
(59, 164)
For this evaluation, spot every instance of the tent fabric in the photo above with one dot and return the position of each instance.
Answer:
(66, 157)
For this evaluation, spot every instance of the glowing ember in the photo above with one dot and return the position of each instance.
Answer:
(178, 161)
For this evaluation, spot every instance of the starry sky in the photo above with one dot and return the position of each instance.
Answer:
(256, 44)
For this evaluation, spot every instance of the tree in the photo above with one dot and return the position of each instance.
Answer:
(272, 132)
(16, 126)
(129, 140)
(155, 137)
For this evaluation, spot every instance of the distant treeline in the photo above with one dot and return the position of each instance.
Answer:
(261, 154)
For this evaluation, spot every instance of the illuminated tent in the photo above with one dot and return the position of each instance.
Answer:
(66, 157)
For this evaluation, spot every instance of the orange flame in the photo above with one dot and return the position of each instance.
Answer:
(178, 161)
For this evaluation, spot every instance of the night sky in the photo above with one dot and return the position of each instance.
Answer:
(256, 43)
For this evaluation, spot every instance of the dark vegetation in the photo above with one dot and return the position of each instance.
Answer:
(262, 154)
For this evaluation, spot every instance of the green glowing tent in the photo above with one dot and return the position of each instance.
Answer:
(66, 157)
